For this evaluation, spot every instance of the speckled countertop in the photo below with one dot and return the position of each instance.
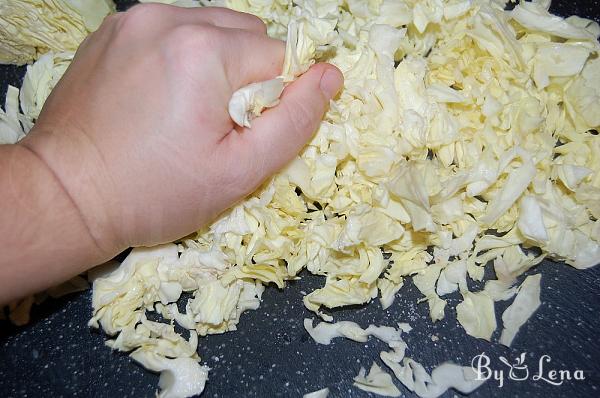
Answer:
(271, 354)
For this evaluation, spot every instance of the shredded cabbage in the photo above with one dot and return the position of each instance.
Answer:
(30, 28)
(443, 377)
(324, 332)
(11, 129)
(23, 106)
(179, 377)
(377, 381)
(476, 314)
(410, 373)
(248, 102)
(463, 135)
(323, 393)
(522, 308)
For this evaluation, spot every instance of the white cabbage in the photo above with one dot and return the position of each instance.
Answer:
(40, 79)
(11, 129)
(449, 375)
(154, 278)
(462, 134)
(23, 106)
(324, 332)
(179, 377)
(377, 381)
(476, 314)
(249, 101)
(521, 309)
(443, 377)
(30, 28)
(535, 17)
(322, 393)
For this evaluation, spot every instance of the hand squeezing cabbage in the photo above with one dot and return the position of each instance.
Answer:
(465, 134)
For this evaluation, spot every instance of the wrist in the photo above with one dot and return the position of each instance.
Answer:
(77, 170)
(43, 238)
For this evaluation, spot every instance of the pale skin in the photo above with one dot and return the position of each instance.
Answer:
(135, 146)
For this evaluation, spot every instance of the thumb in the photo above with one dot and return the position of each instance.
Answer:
(280, 132)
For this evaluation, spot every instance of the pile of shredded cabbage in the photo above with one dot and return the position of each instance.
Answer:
(29, 28)
(465, 135)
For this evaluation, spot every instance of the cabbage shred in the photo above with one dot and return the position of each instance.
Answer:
(464, 135)
(30, 28)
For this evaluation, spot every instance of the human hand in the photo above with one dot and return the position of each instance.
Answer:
(138, 133)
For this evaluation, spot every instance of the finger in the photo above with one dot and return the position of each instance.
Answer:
(226, 18)
(168, 15)
(281, 132)
(250, 58)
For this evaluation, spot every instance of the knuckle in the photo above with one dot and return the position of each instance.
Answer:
(109, 25)
(190, 44)
(146, 9)
(138, 17)
(257, 23)
(112, 18)
(194, 37)
(249, 21)
(238, 19)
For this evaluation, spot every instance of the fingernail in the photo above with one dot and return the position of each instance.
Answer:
(331, 82)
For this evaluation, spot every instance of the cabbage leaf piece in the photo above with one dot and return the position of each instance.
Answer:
(179, 377)
(533, 16)
(324, 332)
(249, 101)
(302, 40)
(377, 381)
(443, 377)
(521, 309)
(322, 393)
(476, 314)
(30, 28)
(11, 130)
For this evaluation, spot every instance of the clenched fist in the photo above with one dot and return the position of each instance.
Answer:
(135, 145)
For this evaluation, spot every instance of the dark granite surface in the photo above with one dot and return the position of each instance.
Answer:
(272, 355)
(57, 355)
